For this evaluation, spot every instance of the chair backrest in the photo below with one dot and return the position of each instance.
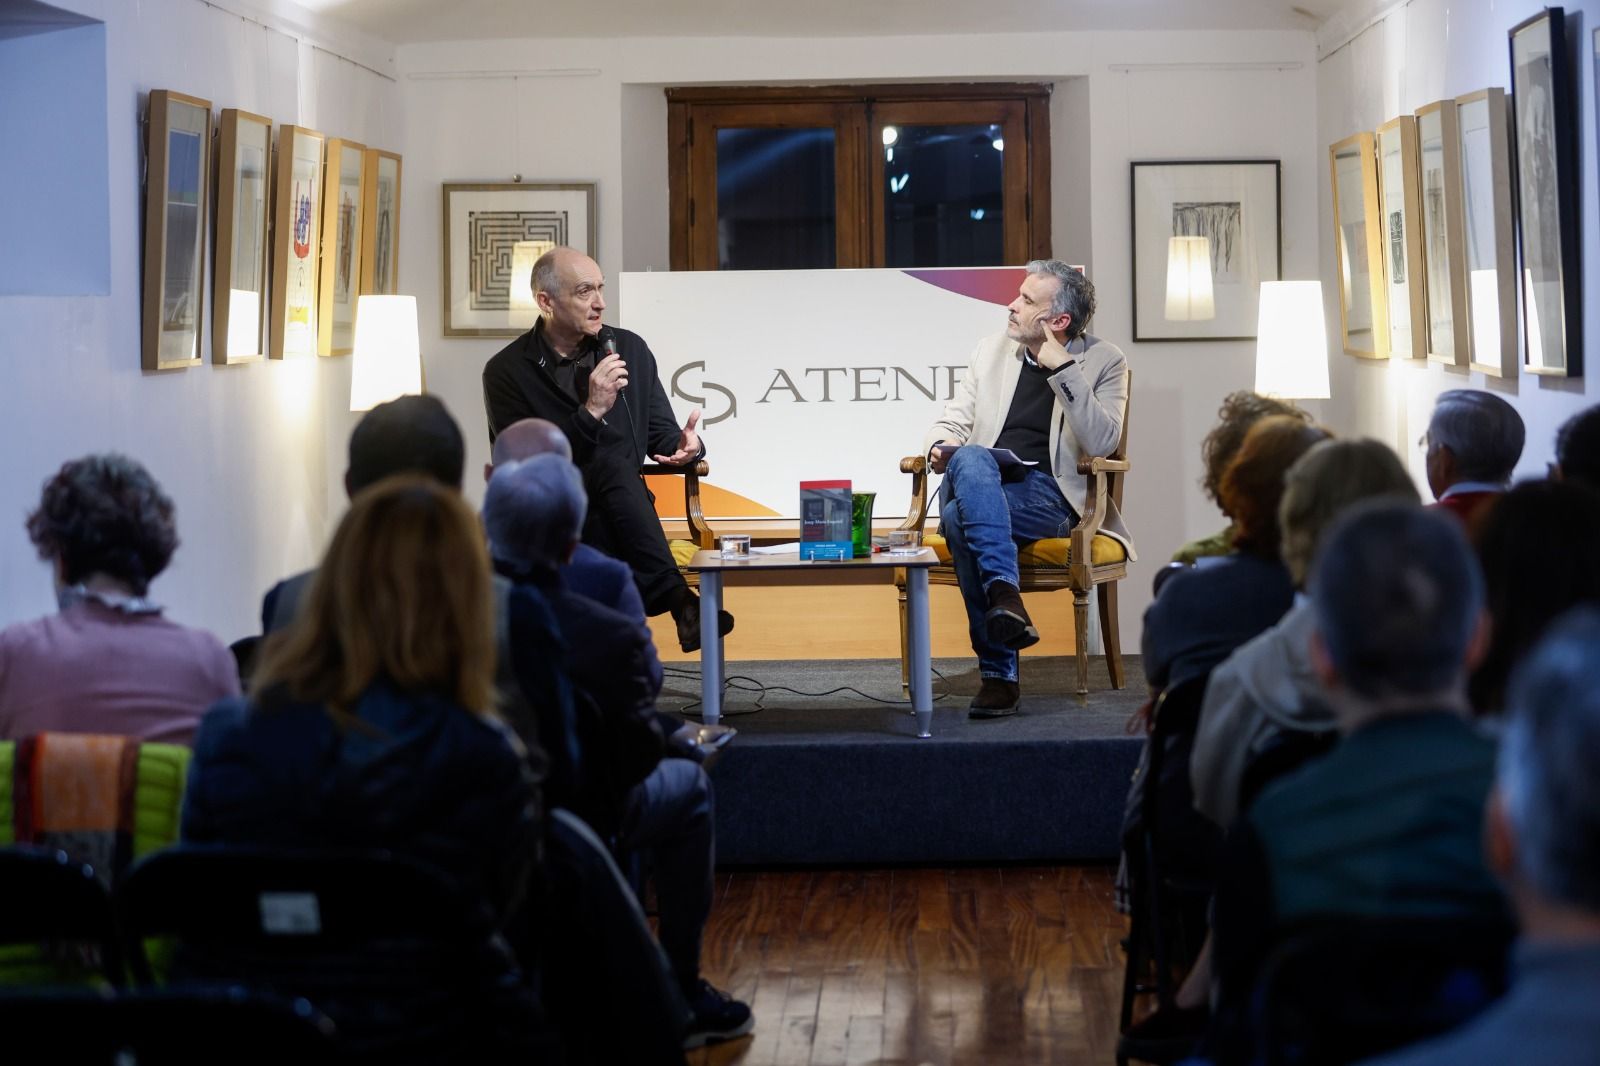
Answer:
(1114, 481)
(187, 1028)
(385, 945)
(1184, 843)
(54, 908)
(1345, 989)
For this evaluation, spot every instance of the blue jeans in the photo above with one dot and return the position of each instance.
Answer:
(985, 516)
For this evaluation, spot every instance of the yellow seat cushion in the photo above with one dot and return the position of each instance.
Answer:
(682, 551)
(1054, 552)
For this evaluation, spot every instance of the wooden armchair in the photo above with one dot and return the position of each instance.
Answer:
(1087, 561)
(701, 535)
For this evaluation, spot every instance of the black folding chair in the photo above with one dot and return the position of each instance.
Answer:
(190, 1027)
(385, 946)
(57, 919)
(1171, 853)
(1344, 989)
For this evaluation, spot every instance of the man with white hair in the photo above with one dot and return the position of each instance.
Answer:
(533, 512)
(1473, 442)
(1051, 393)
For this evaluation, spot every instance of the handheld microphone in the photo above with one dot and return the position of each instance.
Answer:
(608, 344)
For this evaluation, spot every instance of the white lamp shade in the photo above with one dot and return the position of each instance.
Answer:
(388, 356)
(1292, 341)
(1189, 294)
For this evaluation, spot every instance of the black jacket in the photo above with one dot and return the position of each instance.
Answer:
(516, 386)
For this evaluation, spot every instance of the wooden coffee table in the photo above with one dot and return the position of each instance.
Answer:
(790, 569)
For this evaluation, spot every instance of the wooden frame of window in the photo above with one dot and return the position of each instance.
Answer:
(857, 114)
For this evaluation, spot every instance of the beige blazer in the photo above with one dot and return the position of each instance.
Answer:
(1089, 423)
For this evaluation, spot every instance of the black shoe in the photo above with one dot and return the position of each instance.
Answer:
(687, 616)
(1007, 622)
(995, 699)
(717, 1017)
(1168, 1035)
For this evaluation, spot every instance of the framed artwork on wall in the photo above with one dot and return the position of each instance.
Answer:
(1489, 247)
(177, 180)
(1199, 223)
(492, 236)
(242, 257)
(1443, 233)
(1547, 195)
(339, 271)
(296, 229)
(1358, 247)
(1399, 195)
(380, 224)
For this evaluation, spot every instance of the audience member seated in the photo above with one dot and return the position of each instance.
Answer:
(371, 723)
(1578, 449)
(1240, 410)
(1267, 691)
(534, 512)
(1556, 525)
(1473, 442)
(107, 661)
(1202, 615)
(1389, 823)
(1543, 839)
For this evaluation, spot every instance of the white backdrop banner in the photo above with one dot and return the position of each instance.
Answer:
(807, 375)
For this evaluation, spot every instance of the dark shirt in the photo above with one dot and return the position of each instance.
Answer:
(1203, 614)
(1027, 428)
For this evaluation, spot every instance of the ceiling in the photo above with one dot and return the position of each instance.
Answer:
(417, 21)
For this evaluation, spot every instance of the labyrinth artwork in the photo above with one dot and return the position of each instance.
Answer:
(493, 234)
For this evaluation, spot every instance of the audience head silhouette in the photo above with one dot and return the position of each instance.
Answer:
(1239, 411)
(533, 512)
(1578, 448)
(413, 434)
(525, 439)
(103, 517)
(1544, 825)
(403, 595)
(1399, 605)
(1323, 483)
(1557, 523)
(1473, 436)
(1252, 485)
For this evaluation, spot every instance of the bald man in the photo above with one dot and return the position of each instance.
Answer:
(598, 385)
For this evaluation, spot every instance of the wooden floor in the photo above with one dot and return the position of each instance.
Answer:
(983, 966)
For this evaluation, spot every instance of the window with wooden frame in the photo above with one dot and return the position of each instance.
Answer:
(859, 176)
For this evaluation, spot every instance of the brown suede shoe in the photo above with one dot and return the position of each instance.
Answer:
(995, 699)
(1007, 621)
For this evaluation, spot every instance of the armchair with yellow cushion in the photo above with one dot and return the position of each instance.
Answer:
(1085, 562)
(701, 535)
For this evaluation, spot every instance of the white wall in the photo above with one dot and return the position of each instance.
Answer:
(251, 454)
(592, 110)
(1418, 53)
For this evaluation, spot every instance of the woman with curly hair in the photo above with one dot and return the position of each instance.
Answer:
(108, 661)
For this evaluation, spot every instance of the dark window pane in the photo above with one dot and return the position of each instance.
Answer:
(942, 195)
(775, 199)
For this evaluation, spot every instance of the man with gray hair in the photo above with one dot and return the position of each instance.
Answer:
(1473, 442)
(1543, 840)
(1049, 392)
(533, 511)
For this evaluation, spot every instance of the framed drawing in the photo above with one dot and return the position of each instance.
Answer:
(1358, 247)
(1547, 195)
(239, 281)
(1401, 230)
(1489, 244)
(492, 236)
(1443, 233)
(339, 270)
(177, 177)
(380, 224)
(1234, 206)
(296, 227)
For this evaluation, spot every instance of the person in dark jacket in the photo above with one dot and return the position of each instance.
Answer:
(372, 722)
(578, 373)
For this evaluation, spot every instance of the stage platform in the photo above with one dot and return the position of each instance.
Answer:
(838, 779)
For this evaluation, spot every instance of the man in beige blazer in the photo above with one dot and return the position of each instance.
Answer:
(1050, 393)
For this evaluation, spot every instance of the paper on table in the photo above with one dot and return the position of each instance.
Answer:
(791, 548)
(1005, 457)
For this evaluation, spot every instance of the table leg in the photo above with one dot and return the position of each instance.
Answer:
(920, 646)
(710, 647)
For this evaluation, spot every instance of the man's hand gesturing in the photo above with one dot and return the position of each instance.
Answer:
(688, 444)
